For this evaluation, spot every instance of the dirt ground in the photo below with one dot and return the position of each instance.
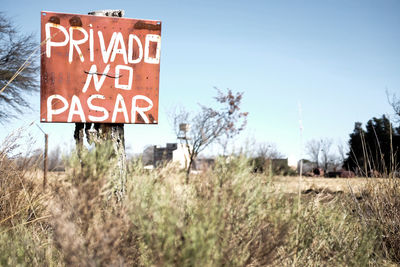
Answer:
(285, 184)
(291, 184)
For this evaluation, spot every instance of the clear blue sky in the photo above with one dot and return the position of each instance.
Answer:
(336, 58)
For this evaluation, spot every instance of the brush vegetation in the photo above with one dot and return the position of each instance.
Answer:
(227, 216)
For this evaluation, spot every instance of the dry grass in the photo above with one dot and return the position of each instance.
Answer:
(378, 207)
(227, 216)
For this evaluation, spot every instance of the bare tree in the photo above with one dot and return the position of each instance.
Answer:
(265, 154)
(209, 125)
(343, 150)
(56, 162)
(326, 155)
(394, 101)
(148, 155)
(15, 49)
(321, 154)
(268, 151)
(313, 149)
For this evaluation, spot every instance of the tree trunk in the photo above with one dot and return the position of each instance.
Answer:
(103, 134)
(191, 160)
(114, 133)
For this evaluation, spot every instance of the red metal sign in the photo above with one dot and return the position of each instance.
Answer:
(99, 69)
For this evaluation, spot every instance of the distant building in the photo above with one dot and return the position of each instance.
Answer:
(181, 155)
(273, 166)
(333, 171)
(292, 162)
(155, 156)
(204, 163)
(278, 165)
(307, 168)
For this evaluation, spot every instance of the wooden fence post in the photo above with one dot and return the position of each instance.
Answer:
(45, 156)
(45, 162)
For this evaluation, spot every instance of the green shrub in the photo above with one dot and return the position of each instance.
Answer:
(330, 235)
(23, 246)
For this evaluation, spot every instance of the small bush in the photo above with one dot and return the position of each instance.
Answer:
(222, 218)
(378, 206)
(24, 232)
(90, 227)
(330, 235)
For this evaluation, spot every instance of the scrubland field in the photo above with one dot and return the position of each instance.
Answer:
(227, 216)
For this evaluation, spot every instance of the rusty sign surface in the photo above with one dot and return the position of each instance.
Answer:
(99, 69)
